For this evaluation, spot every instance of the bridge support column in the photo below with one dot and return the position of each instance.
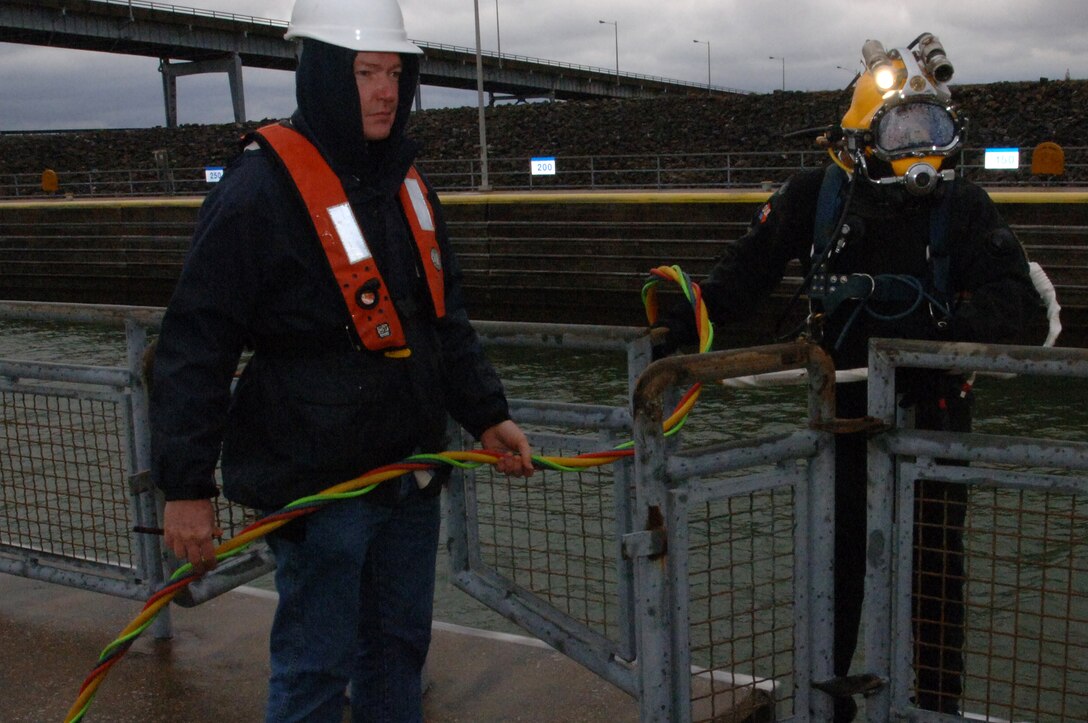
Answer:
(232, 66)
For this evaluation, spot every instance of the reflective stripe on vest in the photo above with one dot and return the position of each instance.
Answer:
(357, 277)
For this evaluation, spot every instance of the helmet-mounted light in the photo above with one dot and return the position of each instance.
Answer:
(879, 64)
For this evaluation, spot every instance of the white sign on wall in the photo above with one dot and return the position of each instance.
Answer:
(212, 174)
(1002, 159)
(542, 166)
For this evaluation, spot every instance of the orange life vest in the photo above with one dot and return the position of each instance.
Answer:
(361, 285)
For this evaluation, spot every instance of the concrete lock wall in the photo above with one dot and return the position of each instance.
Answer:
(573, 257)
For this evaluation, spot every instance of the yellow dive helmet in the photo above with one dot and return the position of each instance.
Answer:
(901, 126)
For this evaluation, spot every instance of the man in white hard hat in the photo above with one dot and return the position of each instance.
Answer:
(325, 252)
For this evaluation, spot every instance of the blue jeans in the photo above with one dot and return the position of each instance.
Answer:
(356, 589)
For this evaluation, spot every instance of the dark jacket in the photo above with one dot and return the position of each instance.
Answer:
(309, 410)
(988, 270)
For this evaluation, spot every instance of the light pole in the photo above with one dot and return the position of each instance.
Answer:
(615, 26)
(707, 42)
(855, 73)
(783, 59)
(484, 185)
(498, 35)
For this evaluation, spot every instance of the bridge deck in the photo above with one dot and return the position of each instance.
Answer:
(162, 30)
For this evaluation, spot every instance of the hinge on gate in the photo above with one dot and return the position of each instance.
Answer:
(846, 686)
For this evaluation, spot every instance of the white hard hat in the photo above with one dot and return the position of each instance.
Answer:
(364, 25)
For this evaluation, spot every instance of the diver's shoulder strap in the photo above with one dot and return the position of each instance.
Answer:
(828, 207)
(940, 260)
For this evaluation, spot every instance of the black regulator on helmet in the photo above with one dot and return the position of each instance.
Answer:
(901, 127)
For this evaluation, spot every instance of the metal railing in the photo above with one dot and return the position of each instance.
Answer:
(1026, 544)
(695, 576)
(662, 171)
(195, 12)
(659, 171)
(607, 72)
(741, 170)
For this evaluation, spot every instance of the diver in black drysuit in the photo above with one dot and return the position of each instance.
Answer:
(992, 299)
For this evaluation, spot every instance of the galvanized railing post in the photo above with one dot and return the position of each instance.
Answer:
(816, 594)
(880, 502)
(145, 505)
(659, 689)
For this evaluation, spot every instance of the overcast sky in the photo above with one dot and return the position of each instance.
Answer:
(986, 40)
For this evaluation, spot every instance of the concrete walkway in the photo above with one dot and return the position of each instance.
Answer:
(215, 667)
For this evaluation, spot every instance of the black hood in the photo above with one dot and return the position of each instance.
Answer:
(329, 113)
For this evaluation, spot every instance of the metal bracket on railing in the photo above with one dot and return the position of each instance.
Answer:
(140, 483)
(647, 543)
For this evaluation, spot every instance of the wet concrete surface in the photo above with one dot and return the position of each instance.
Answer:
(215, 667)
